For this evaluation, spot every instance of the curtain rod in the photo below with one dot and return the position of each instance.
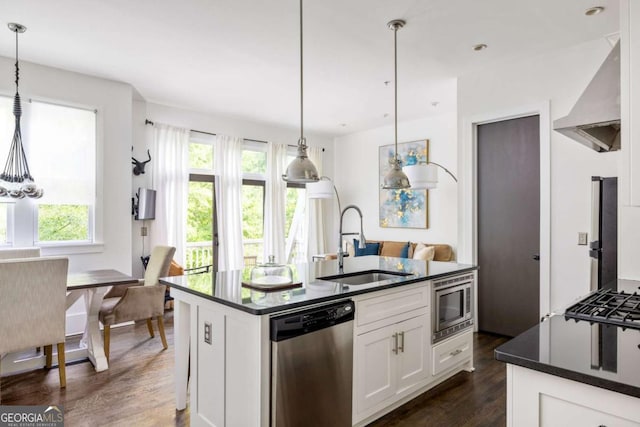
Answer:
(149, 122)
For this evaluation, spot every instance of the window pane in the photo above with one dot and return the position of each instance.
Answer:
(3, 222)
(63, 222)
(200, 156)
(252, 222)
(254, 161)
(200, 224)
(61, 148)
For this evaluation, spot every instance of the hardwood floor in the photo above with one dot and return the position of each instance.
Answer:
(137, 389)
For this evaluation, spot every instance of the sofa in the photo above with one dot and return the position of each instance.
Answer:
(403, 249)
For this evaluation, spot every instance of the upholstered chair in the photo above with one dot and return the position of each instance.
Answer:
(33, 306)
(142, 301)
(10, 253)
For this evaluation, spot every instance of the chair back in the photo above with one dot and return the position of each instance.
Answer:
(159, 264)
(32, 302)
(11, 253)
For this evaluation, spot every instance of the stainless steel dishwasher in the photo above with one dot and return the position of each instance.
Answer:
(311, 366)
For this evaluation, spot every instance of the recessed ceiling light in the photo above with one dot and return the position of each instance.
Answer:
(594, 10)
(343, 124)
(386, 115)
(479, 47)
(386, 82)
(435, 103)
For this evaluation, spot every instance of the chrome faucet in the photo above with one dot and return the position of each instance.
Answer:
(361, 243)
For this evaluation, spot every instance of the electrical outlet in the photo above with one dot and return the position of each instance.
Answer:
(582, 238)
(143, 231)
(207, 333)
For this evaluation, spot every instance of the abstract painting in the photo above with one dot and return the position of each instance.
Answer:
(403, 208)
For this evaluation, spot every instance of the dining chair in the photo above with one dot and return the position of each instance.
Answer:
(33, 306)
(141, 301)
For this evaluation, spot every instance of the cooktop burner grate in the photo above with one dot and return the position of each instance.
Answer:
(609, 307)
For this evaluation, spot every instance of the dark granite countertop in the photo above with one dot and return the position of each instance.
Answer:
(226, 287)
(595, 354)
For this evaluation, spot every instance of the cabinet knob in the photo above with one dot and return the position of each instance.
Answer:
(395, 343)
(401, 348)
(455, 353)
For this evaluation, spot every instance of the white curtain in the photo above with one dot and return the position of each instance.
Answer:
(227, 166)
(316, 243)
(274, 203)
(170, 179)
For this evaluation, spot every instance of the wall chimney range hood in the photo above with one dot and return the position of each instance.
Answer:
(595, 119)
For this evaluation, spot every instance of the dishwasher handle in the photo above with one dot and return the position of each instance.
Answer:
(303, 322)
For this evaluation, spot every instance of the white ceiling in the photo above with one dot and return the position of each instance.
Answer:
(240, 57)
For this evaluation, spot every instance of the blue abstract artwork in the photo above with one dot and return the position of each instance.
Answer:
(403, 208)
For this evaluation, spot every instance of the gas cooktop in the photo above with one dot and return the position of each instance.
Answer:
(608, 307)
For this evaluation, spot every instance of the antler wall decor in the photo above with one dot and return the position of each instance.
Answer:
(139, 166)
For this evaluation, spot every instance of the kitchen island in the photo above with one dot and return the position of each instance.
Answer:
(574, 372)
(222, 332)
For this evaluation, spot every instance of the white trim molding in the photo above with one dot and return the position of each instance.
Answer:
(467, 176)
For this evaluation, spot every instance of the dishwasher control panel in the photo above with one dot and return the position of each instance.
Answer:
(298, 323)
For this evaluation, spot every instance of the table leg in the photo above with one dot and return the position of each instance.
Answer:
(92, 338)
(182, 329)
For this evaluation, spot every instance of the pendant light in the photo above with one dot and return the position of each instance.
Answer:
(16, 180)
(395, 179)
(301, 169)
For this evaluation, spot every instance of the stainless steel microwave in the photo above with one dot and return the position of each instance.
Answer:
(452, 306)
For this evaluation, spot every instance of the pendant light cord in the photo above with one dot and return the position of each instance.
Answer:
(395, 88)
(302, 140)
(17, 66)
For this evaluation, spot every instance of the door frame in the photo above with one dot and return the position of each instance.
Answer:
(468, 195)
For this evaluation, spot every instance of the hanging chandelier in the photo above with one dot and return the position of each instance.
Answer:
(16, 180)
(301, 169)
(395, 179)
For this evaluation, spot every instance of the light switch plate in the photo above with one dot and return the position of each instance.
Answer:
(582, 238)
(207, 333)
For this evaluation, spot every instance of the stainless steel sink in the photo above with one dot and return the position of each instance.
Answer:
(364, 277)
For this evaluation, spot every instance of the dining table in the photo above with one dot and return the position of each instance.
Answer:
(93, 285)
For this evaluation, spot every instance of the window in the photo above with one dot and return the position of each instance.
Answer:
(295, 208)
(60, 143)
(4, 223)
(201, 214)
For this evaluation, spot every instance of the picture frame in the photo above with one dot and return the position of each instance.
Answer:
(403, 208)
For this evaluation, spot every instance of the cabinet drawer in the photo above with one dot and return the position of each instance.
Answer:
(391, 304)
(449, 353)
(559, 412)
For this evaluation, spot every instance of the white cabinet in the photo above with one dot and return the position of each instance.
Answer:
(451, 352)
(538, 399)
(390, 361)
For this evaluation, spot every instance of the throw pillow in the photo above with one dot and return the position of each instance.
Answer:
(395, 249)
(370, 249)
(424, 253)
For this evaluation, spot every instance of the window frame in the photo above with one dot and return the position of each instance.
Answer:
(22, 221)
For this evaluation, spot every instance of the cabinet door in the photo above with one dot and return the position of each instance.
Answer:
(207, 402)
(413, 355)
(375, 364)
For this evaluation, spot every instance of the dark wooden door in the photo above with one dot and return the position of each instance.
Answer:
(509, 225)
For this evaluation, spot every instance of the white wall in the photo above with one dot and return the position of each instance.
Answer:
(558, 77)
(213, 124)
(113, 102)
(357, 179)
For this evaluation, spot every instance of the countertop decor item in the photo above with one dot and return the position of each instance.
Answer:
(301, 169)
(16, 180)
(271, 274)
(395, 179)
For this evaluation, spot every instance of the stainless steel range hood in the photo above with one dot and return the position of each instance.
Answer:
(595, 119)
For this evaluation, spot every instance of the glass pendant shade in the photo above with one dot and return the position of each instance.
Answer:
(301, 169)
(395, 179)
(422, 176)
